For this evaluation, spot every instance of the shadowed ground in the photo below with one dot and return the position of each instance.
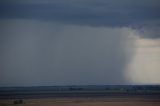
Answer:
(85, 102)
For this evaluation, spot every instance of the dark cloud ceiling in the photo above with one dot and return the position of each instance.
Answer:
(112, 13)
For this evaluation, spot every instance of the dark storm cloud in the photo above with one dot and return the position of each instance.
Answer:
(95, 12)
(113, 13)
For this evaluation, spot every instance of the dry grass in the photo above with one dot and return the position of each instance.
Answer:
(81, 102)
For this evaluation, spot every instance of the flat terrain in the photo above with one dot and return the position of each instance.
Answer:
(84, 102)
(81, 96)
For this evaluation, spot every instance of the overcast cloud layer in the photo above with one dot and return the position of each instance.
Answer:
(114, 13)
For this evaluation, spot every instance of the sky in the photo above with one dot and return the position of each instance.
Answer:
(79, 42)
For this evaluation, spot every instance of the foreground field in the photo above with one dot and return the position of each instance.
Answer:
(84, 102)
(105, 95)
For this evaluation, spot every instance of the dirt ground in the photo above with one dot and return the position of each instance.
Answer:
(81, 102)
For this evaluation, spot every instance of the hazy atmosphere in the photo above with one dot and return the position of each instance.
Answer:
(79, 42)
